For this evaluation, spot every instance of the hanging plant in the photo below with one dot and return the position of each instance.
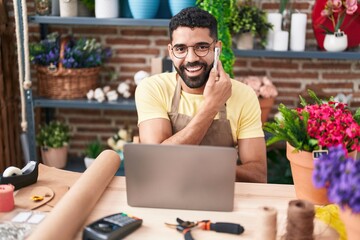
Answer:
(223, 11)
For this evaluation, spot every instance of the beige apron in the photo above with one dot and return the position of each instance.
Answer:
(219, 133)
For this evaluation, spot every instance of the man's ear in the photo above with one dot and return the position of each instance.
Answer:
(170, 51)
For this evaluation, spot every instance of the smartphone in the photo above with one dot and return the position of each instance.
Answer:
(216, 57)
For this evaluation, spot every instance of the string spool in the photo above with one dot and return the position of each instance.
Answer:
(300, 220)
(6, 197)
(267, 225)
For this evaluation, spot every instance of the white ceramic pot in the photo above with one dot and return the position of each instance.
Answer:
(68, 8)
(336, 42)
(107, 8)
(245, 41)
(88, 161)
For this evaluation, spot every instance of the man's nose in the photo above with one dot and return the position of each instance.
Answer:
(191, 55)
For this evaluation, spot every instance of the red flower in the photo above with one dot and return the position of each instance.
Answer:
(331, 124)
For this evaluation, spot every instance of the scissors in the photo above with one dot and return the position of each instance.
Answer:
(185, 227)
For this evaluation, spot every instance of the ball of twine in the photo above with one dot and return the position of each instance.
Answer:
(300, 220)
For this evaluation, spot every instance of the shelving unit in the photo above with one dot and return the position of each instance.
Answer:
(129, 105)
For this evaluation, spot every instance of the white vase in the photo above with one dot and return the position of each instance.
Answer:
(245, 41)
(68, 8)
(336, 42)
(107, 8)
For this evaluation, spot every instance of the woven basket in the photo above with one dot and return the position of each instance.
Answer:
(66, 83)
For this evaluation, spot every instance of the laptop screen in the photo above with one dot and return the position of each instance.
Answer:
(180, 176)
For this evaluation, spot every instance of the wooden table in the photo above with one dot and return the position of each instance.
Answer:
(249, 198)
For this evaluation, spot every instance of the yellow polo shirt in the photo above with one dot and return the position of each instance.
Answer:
(154, 95)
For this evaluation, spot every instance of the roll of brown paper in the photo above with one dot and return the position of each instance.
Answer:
(70, 213)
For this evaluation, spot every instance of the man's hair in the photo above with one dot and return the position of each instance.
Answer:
(193, 17)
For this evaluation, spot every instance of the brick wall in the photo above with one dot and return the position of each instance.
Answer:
(135, 46)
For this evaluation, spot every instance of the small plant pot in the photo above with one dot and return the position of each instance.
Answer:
(54, 157)
(336, 42)
(88, 161)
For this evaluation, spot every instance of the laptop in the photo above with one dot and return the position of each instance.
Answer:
(189, 177)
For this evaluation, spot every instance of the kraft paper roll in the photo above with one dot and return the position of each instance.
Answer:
(71, 211)
(274, 19)
(6, 197)
(267, 224)
(281, 41)
(298, 31)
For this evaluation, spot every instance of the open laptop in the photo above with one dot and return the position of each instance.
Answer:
(190, 177)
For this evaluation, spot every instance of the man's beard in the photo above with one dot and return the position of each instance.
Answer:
(197, 81)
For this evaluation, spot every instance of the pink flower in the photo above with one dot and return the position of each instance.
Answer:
(336, 11)
(331, 124)
(262, 86)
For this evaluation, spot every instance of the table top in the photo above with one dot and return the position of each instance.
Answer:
(250, 198)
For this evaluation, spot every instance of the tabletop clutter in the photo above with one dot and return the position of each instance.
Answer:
(37, 210)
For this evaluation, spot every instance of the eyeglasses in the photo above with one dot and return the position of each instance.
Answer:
(201, 49)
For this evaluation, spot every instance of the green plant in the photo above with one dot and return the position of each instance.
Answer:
(249, 18)
(90, 4)
(93, 149)
(54, 135)
(316, 126)
(223, 11)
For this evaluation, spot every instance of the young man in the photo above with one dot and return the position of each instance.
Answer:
(198, 104)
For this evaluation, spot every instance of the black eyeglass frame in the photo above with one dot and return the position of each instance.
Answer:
(187, 49)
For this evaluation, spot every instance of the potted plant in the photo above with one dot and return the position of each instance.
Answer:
(335, 24)
(249, 22)
(309, 131)
(266, 92)
(67, 67)
(92, 150)
(339, 174)
(53, 139)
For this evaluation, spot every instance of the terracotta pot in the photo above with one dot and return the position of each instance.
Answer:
(352, 222)
(302, 166)
(54, 157)
(266, 106)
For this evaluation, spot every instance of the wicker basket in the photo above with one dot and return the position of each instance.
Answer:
(66, 83)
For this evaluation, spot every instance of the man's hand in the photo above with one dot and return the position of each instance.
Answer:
(217, 90)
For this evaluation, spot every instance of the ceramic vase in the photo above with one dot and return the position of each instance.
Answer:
(107, 8)
(245, 41)
(68, 8)
(54, 157)
(336, 42)
(176, 5)
(352, 222)
(88, 161)
(144, 9)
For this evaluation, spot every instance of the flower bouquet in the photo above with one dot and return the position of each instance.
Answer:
(309, 132)
(67, 67)
(338, 17)
(316, 126)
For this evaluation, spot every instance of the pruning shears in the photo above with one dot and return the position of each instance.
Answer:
(185, 227)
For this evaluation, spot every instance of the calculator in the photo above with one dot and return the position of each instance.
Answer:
(115, 226)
